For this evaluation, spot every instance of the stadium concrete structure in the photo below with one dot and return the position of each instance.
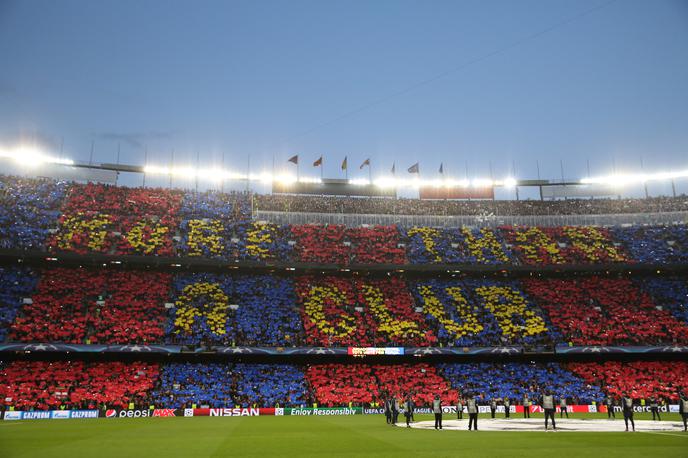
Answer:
(124, 302)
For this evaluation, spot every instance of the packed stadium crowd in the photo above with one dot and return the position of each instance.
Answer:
(82, 306)
(41, 385)
(97, 218)
(110, 306)
(371, 206)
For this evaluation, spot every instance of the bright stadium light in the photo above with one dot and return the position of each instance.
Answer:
(637, 178)
(386, 182)
(482, 183)
(31, 157)
(510, 182)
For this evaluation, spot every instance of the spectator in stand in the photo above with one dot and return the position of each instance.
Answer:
(563, 245)
(259, 241)
(605, 311)
(94, 306)
(250, 310)
(428, 245)
(228, 385)
(339, 384)
(669, 293)
(320, 244)
(99, 218)
(28, 209)
(43, 385)
(16, 284)
(654, 244)
(339, 245)
(345, 311)
(402, 206)
(494, 381)
(218, 225)
(481, 313)
(639, 380)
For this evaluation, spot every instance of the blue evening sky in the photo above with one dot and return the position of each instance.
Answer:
(465, 83)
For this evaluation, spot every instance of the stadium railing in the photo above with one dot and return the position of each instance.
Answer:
(354, 220)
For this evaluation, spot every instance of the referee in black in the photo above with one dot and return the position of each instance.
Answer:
(654, 408)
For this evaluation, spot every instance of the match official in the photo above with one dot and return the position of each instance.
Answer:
(654, 408)
(459, 409)
(683, 409)
(493, 407)
(472, 407)
(388, 411)
(507, 407)
(627, 404)
(408, 410)
(563, 408)
(437, 410)
(609, 401)
(547, 404)
(526, 407)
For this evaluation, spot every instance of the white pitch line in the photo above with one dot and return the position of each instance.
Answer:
(685, 436)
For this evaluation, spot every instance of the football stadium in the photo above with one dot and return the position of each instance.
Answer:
(248, 289)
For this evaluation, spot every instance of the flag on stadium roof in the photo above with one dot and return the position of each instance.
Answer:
(366, 162)
(294, 159)
(442, 168)
(318, 162)
(394, 168)
(414, 168)
(344, 164)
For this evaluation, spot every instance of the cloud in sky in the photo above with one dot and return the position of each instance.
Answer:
(135, 139)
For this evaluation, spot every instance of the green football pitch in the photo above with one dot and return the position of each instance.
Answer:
(316, 436)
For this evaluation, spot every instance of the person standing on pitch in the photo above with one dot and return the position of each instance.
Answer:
(627, 404)
(413, 405)
(507, 408)
(547, 404)
(437, 410)
(408, 410)
(388, 411)
(459, 409)
(395, 410)
(654, 408)
(563, 408)
(683, 409)
(472, 407)
(493, 407)
(526, 407)
(609, 402)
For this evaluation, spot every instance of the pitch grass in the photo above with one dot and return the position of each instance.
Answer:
(315, 436)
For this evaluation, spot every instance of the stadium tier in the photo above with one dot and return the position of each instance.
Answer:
(83, 306)
(83, 219)
(45, 385)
